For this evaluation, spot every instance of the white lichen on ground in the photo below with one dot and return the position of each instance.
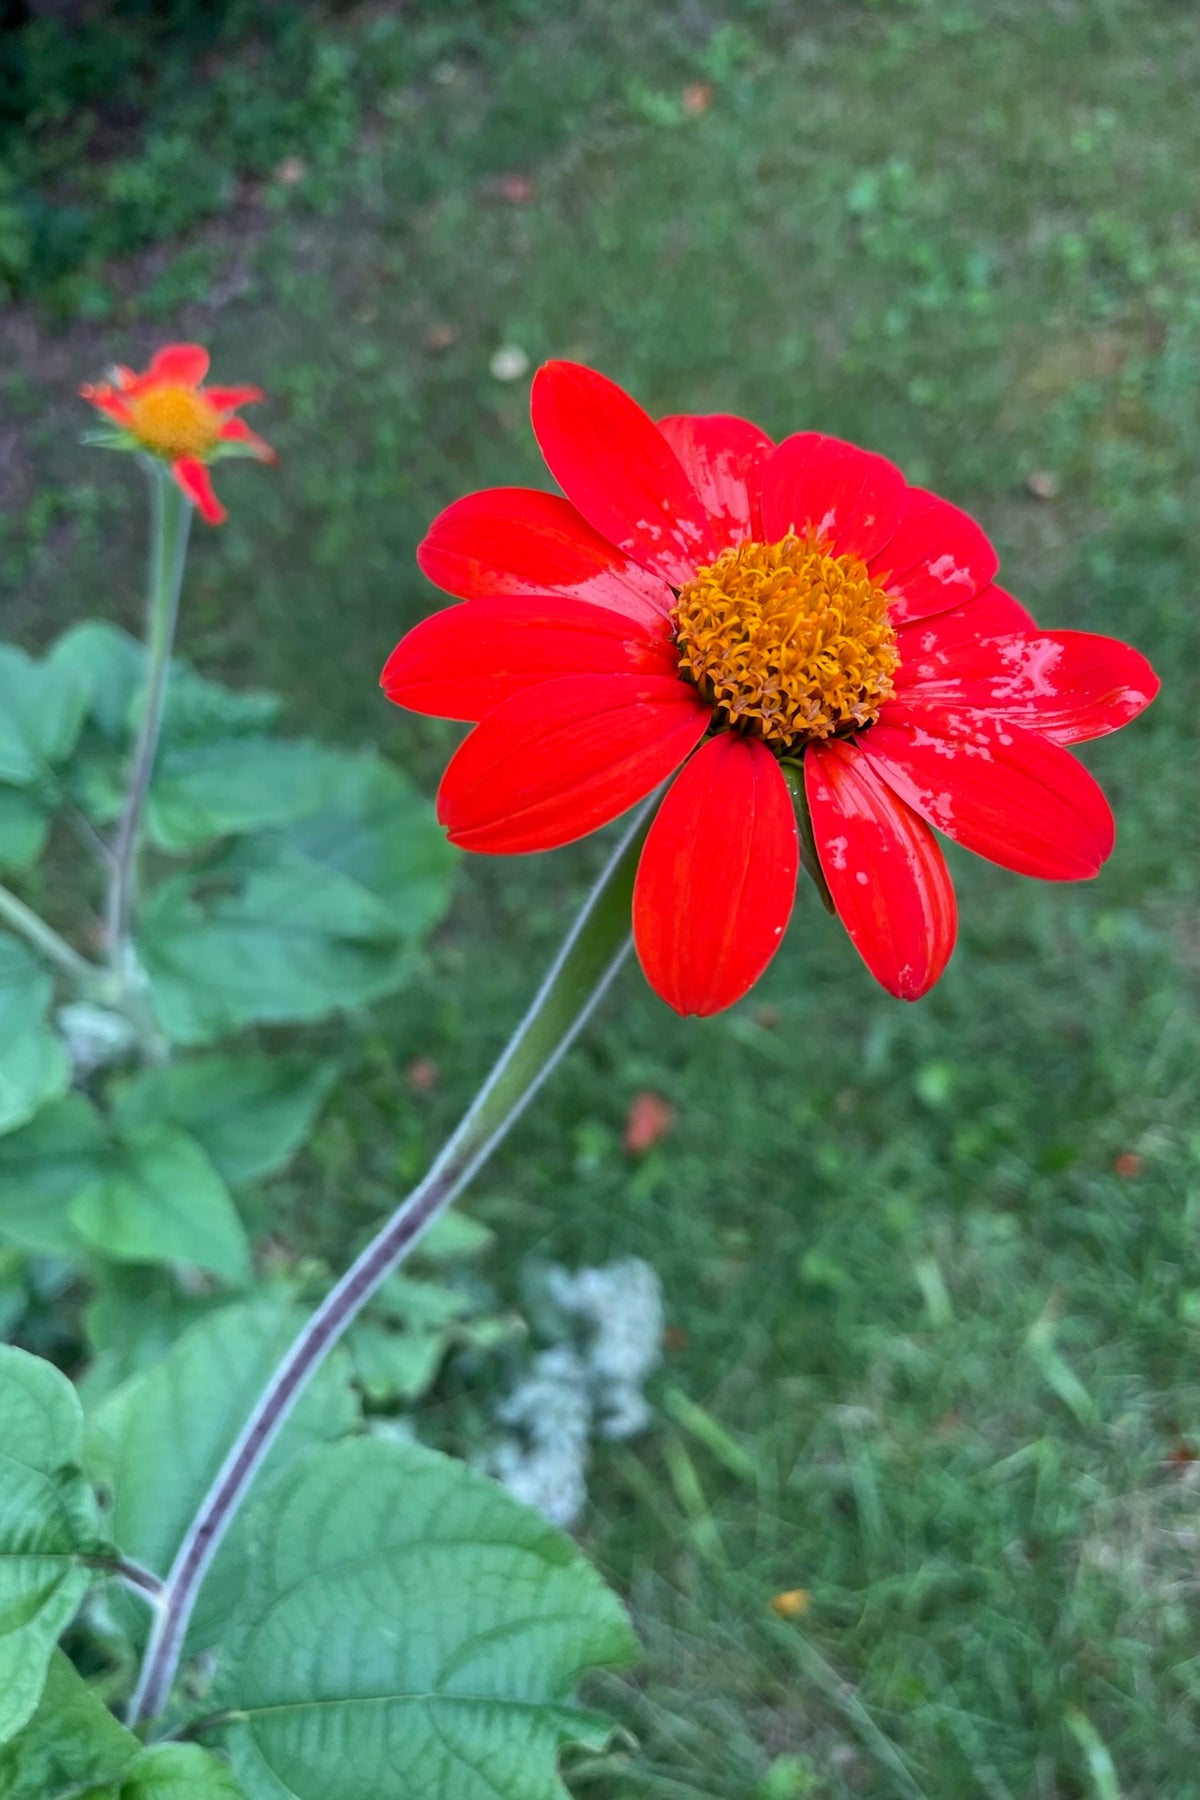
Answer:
(589, 1384)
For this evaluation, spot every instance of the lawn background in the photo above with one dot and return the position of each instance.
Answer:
(929, 1270)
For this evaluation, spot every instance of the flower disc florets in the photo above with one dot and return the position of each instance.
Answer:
(787, 641)
(174, 421)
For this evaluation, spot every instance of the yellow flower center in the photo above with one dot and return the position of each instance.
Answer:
(175, 421)
(787, 641)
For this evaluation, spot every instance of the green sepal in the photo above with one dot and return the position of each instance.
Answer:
(109, 440)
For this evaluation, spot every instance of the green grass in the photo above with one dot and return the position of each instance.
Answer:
(947, 1336)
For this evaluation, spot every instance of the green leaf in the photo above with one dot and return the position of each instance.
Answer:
(47, 1520)
(453, 1236)
(110, 665)
(150, 1195)
(399, 1347)
(407, 1619)
(107, 664)
(395, 1366)
(42, 708)
(249, 1113)
(319, 915)
(377, 845)
(420, 1305)
(70, 1745)
(136, 1314)
(34, 1065)
(161, 1200)
(160, 1438)
(42, 1169)
(24, 828)
(211, 790)
(132, 1320)
(269, 949)
(179, 1772)
(199, 710)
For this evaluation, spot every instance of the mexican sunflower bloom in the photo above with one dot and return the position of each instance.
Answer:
(813, 653)
(169, 413)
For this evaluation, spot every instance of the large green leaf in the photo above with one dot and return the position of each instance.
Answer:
(160, 1200)
(146, 1195)
(408, 1628)
(159, 1439)
(73, 1747)
(34, 1065)
(24, 828)
(269, 949)
(47, 1523)
(377, 846)
(249, 1113)
(42, 707)
(319, 915)
(43, 1167)
(206, 790)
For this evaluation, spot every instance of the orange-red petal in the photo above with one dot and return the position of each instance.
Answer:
(228, 399)
(521, 541)
(196, 482)
(186, 364)
(466, 661)
(1009, 795)
(1068, 685)
(615, 465)
(884, 870)
(850, 498)
(723, 458)
(558, 761)
(937, 558)
(236, 431)
(717, 876)
(993, 613)
(108, 401)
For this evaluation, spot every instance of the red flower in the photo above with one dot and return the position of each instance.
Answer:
(806, 634)
(169, 413)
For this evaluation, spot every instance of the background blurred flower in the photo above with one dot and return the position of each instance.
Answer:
(170, 414)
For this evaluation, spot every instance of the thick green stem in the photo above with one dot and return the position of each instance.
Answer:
(591, 955)
(171, 516)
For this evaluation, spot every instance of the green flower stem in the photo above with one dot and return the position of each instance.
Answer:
(577, 979)
(171, 517)
(33, 928)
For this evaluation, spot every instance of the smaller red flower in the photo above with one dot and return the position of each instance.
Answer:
(169, 413)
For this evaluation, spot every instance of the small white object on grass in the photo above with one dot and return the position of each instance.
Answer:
(583, 1388)
(509, 363)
